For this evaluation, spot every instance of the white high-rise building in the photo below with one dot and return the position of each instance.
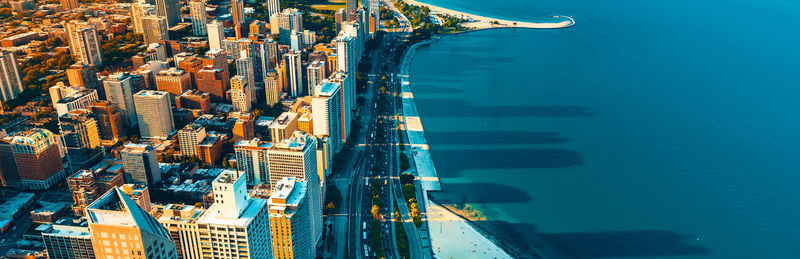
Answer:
(297, 157)
(273, 7)
(197, 8)
(119, 89)
(10, 80)
(155, 29)
(326, 110)
(216, 33)
(251, 160)
(83, 42)
(295, 72)
(316, 73)
(157, 122)
(283, 23)
(347, 94)
(290, 220)
(241, 94)
(235, 226)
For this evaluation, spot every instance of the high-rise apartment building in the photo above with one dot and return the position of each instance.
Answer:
(189, 139)
(194, 100)
(68, 242)
(235, 226)
(197, 8)
(246, 68)
(241, 95)
(181, 223)
(283, 126)
(169, 9)
(87, 185)
(316, 73)
(85, 75)
(213, 81)
(79, 129)
(243, 129)
(109, 118)
(297, 157)
(31, 160)
(139, 11)
(119, 89)
(272, 91)
(155, 28)
(237, 12)
(157, 122)
(295, 72)
(216, 33)
(174, 81)
(10, 79)
(326, 107)
(83, 42)
(290, 220)
(283, 23)
(119, 227)
(75, 100)
(347, 83)
(251, 160)
(141, 164)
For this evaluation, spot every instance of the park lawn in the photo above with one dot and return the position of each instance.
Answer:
(331, 6)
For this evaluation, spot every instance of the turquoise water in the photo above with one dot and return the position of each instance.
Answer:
(650, 129)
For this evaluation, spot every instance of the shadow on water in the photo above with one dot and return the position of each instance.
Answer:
(433, 89)
(495, 137)
(624, 244)
(503, 159)
(448, 107)
(480, 193)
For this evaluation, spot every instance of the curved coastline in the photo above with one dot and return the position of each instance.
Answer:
(422, 160)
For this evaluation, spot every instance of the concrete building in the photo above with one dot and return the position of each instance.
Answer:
(157, 122)
(197, 8)
(290, 220)
(76, 100)
(140, 194)
(110, 122)
(283, 23)
(213, 81)
(141, 164)
(294, 71)
(327, 112)
(243, 129)
(346, 82)
(195, 100)
(316, 73)
(273, 7)
(180, 221)
(155, 28)
(170, 10)
(236, 226)
(86, 185)
(119, 89)
(272, 91)
(120, 227)
(251, 160)
(216, 33)
(139, 11)
(245, 67)
(297, 157)
(32, 160)
(210, 149)
(83, 42)
(189, 139)
(174, 81)
(60, 90)
(10, 80)
(283, 126)
(241, 95)
(79, 129)
(68, 242)
(85, 75)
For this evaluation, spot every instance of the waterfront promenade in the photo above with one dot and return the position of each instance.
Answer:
(478, 22)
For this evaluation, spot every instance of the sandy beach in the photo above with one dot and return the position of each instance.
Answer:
(481, 22)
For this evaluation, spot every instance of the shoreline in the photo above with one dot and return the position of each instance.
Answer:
(482, 22)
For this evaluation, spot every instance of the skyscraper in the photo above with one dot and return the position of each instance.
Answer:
(155, 28)
(297, 157)
(141, 164)
(243, 128)
(10, 80)
(295, 72)
(32, 158)
(109, 120)
(157, 122)
(273, 7)
(189, 138)
(327, 112)
(290, 220)
(139, 11)
(283, 23)
(119, 90)
(198, 11)
(212, 81)
(83, 42)
(347, 100)
(169, 9)
(216, 33)
(316, 73)
(79, 129)
(237, 12)
(271, 88)
(283, 126)
(246, 68)
(238, 226)
(120, 227)
(241, 96)
(251, 160)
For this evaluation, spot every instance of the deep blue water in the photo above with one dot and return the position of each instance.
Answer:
(650, 129)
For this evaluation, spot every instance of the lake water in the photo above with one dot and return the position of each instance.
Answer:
(650, 129)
